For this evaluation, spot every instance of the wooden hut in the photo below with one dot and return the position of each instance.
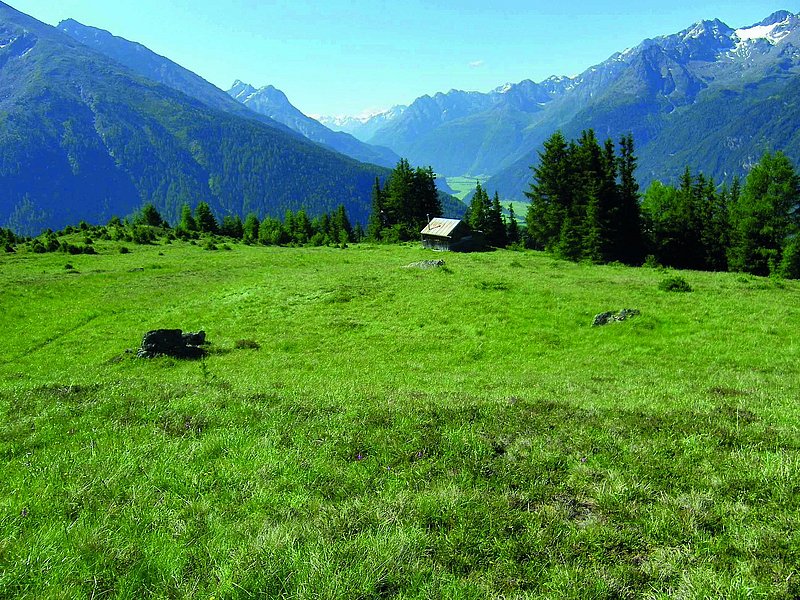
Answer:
(450, 234)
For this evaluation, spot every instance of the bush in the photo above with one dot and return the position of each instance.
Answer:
(674, 284)
(790, 263)
(651, 262)
(124, 250)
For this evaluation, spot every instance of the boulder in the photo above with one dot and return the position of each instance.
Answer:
(172, 342)
(614, 317)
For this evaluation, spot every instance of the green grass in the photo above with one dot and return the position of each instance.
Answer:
(364, 430)
(520, 210)
(463, 186)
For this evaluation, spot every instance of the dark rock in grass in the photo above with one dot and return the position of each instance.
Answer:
(612, 317)
(172, 342)
(426, 264)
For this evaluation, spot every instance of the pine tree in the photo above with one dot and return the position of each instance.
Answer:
(477, 216)
(496, 229)
(187, 222)
(398, 202)
(250, 229)
(232, 227)
(550, 193)
(205, 218)
(513, 228)
(765, 217)
(149, 215)
(340, 223)
(629, 244)
(425, 199)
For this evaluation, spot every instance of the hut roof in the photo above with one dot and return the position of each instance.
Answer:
(441, 227)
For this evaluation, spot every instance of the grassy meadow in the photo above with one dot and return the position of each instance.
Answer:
(364, 430)
(463, 186)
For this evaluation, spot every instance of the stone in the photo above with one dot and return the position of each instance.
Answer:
(426, 264)
(172, 342)
(613, 317)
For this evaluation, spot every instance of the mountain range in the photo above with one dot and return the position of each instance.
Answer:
(92, 125)
(84, 137)
(272, 102)
(710, 97)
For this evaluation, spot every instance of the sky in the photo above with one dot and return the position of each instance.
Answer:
(348, 57)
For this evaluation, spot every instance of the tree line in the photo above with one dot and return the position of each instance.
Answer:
(585, 205)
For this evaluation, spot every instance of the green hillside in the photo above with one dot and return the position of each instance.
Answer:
(361, 429)
(82, 137)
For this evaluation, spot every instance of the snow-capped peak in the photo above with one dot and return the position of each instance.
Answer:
(504, 89)
(772, 29)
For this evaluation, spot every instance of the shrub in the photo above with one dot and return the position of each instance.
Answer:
(790, 263)
(651, 262)
(124, 250)
(675, 284)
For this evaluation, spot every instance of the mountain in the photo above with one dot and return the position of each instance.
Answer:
(84, 137)
(273, 103)
(707, 88)
(147, 63)
(709, 97)
(463, 132)
(363, 127)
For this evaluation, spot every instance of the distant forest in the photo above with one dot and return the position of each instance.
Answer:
(585, 205)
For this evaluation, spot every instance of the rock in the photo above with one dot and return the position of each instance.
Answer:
(172, 342)
(612, 317)
(426, 264)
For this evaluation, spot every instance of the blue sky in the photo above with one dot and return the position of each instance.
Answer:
(347, 56)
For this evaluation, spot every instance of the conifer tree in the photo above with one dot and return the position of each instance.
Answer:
(477, 216)
(495, 228)
(550, 193)
(205, 218)
(764, 219)
(250, 229)
(629, 244)
(232, 227)
(149, 215)
(340, 223)
(187, 222)
(513, 227)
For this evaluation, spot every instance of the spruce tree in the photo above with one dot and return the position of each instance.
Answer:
(478, 212)
(187, 222)
(550, 193)
(205, 218)
(250, 229)
(765, 217)
(232, 227)
(340, 223)
(495, 228)
(629, 246)
(512, 233)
